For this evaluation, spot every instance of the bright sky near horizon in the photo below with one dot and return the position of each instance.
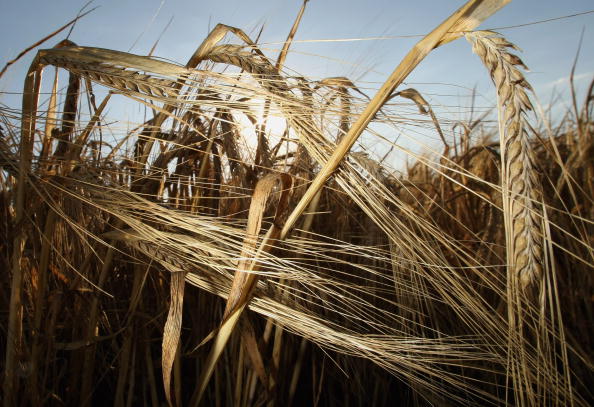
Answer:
(549, 48)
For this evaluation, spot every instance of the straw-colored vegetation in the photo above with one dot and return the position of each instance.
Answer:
(203, 257)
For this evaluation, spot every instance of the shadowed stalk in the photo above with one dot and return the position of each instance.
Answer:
(40, 303)
(14, 328)
(88, 365)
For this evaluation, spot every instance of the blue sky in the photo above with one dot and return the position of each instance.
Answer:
(549, 48)
(133, 25)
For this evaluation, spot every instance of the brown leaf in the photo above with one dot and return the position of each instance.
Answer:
(172, 330)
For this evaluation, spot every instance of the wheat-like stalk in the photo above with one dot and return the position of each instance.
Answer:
(520, 183)
(120, 79)
(237, 55)
(522, 217)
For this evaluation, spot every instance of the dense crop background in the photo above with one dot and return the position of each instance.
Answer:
(227, 231)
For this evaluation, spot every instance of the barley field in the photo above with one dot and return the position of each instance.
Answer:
(248, 241)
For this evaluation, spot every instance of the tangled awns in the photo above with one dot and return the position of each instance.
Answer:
(208, 257)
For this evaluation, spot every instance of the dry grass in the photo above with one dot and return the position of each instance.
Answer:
(200, 257)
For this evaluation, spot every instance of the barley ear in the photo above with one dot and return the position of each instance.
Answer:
(520, 184)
